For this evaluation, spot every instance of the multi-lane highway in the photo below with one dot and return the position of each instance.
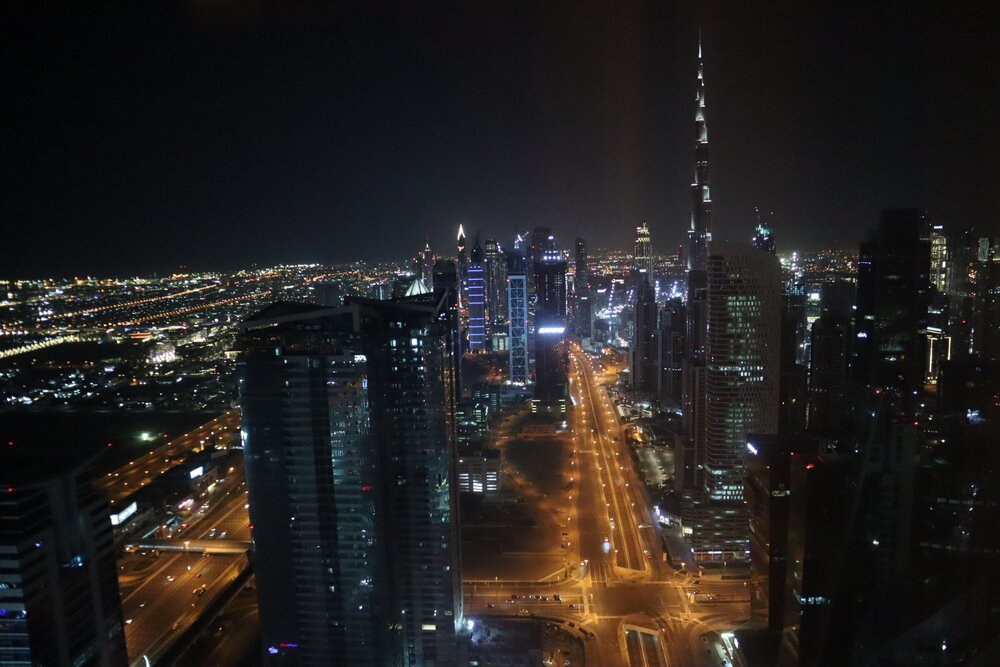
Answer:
(142, 470)
(162, 595)
(625, 604)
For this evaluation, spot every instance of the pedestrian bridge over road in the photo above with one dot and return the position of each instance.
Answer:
(194, 546)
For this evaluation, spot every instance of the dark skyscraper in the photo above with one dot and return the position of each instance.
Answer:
(670, 351)
(893, 298)
(58, 580)
(349, 439)
(986, 309)
(583, 306)
(643, 369)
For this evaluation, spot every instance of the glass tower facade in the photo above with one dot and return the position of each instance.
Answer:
(348, 426)
(517, 307)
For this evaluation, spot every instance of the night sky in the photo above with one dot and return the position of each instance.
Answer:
(217, 135)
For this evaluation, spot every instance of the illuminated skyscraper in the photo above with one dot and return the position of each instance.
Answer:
(696, 311)
(744, 326)
(741, 392)
(550, 327)
(462, 269)
(580, 266)
(700, 234)
(763, 239)
(425, 268)
(496, 287)
(517, 307)
(643, 258)
(348, 424)
(475, 293)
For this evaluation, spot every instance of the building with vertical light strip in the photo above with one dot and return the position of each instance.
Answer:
(475, 293)
(643, 258)
(517, 308)
(550, 327)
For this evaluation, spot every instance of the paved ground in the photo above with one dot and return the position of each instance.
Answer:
(522, 539)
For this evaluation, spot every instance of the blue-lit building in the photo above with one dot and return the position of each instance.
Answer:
(475, 298)
(517, 307)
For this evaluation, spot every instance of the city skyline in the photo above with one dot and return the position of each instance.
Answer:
(441, 383)
(247, 130)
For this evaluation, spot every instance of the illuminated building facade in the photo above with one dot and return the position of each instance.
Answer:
(643, 257)
(348, 419)
(517, 307)
(699, 236)
(550, 328)
(741, 393)
(475, 298)
(58, 579)
(496, 287)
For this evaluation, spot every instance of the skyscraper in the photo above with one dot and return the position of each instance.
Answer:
(670, 347)
(550, 326)
(517, 307)
(700, 234)
(643, 369)
(643, 257)
(475, 293)
(583, 308)
(744, 325)
(763, 239)
(893, 298)
(740, 393)
(58, 580)
(461, 268)
(349, 441)
(580, 266)
(425, 270)
(496, 287)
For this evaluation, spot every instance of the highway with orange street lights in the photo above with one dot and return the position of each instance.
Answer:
(142, 470)
(619, 596)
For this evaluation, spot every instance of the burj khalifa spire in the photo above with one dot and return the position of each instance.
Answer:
(700, 234)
